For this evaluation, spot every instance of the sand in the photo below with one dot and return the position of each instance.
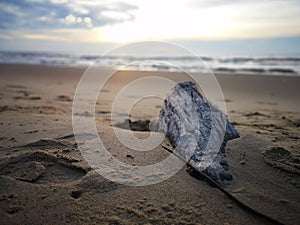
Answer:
(45, 180)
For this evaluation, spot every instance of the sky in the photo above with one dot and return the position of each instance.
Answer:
(204, 26)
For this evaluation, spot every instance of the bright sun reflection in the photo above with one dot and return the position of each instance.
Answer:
(163, 20)
(152, 22)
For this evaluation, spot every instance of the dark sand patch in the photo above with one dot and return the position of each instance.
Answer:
(255, 114)
(140, 125)
(104, 112)
(63, 98)
(31, 131)
(43, 109)
(4, 108)
(25, 95)
(27, 98)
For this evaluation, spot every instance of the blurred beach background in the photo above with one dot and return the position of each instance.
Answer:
(232, 37)
(252, 48)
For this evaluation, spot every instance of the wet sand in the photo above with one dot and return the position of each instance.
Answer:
(45, 180)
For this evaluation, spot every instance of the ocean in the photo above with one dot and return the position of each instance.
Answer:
(275, 65)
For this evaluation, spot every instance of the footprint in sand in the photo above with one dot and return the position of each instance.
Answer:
(281, 158)
(42, 168)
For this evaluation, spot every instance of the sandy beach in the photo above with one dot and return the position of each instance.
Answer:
(45, 180)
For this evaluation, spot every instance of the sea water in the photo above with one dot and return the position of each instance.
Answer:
(269, 65)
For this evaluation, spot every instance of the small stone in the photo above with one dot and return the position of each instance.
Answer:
(242, 162)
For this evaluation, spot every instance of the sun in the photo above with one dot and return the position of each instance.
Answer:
(155, 23)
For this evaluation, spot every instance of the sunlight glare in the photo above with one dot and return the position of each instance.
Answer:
(155, 23)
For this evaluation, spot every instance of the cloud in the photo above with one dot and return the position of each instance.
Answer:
(56, 14)
(122, 21)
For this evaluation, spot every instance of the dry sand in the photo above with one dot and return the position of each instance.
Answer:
(45, 180)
